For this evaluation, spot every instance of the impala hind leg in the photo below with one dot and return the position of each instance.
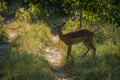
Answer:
(89, 45)
(93, 49)
(86, 44)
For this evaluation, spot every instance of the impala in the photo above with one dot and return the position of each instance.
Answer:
(71, 38)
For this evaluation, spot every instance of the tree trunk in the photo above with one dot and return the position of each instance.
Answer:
(80, 19)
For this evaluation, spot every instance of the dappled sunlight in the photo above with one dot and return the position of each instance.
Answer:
(54, 56)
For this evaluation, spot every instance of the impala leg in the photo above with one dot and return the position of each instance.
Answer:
(86, 44)
(89, 45)
(85, 53)
(69, 52)
(93, 49)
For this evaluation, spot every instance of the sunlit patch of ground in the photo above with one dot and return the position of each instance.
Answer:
(53, 56)
(57, 61)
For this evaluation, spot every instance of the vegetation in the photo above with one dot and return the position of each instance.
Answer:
(34, 21)
(24, 59)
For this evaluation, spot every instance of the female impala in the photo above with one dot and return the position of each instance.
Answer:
(71, 38)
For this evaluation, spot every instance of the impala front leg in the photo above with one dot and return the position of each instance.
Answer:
(69, 52)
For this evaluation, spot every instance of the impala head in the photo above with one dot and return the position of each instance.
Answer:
(59, 26)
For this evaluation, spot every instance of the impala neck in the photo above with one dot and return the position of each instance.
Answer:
(61, 35)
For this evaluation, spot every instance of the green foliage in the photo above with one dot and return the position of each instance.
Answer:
(2, 6)
(93, 11)
(3, 34)
(33, 14)
(22, 14)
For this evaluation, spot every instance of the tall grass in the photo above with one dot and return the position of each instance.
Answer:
(24, 60)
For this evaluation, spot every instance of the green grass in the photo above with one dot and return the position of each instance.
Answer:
(106, 66)
(24, 60)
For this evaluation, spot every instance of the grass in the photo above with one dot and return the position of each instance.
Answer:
(24, 60)
(104, 68)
